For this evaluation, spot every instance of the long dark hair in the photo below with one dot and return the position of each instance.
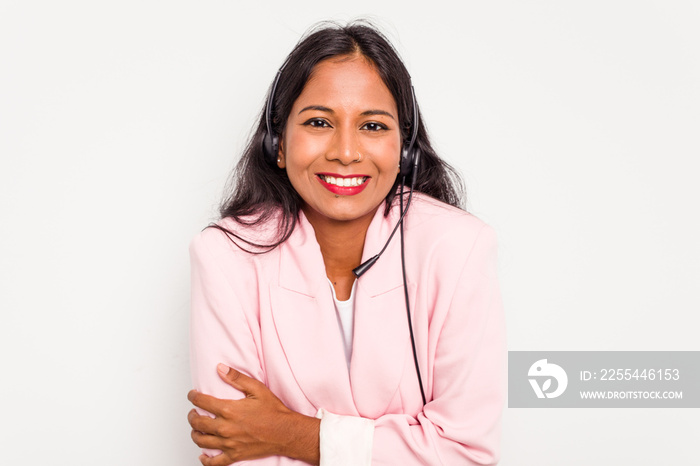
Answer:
(259, 190)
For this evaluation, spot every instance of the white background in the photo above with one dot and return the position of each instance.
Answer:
(575, 124)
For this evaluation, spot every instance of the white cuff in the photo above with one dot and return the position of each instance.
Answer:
(345, 440)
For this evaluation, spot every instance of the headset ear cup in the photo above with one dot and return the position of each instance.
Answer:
(405, 162)
(270, 147)
(409, 156)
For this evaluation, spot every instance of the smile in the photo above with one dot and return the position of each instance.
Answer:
(344, 185)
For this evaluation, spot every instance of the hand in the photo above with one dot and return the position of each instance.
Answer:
(256, 426)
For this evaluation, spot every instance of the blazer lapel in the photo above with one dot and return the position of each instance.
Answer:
(306, 323)
(307, 326)
(381, 340)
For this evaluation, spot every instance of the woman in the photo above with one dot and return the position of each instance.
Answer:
(294, 358)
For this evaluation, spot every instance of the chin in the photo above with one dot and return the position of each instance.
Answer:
(340, 214)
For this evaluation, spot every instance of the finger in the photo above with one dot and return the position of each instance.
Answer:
(203, 423)
(239, 380)
(219, 460)
(206, 402)
(207, 441)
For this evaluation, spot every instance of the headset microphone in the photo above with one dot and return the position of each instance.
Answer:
(366, 265)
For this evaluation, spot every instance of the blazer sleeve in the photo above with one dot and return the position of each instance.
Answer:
(220, 332)
(461, 422)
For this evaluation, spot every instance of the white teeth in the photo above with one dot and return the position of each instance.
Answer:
(354, 181)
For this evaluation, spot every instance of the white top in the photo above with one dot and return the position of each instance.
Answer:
(345, 440)
(345, 313)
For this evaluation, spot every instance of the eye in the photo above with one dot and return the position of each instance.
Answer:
(374, 126)
(317, 123)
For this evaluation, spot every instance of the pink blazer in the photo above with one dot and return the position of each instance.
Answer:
(272, 316)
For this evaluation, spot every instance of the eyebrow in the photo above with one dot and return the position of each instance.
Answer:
(378, 112)
(321, 108)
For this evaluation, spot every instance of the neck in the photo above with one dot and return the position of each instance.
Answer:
(341, 243)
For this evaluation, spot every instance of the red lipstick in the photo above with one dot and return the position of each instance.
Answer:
(330, 180)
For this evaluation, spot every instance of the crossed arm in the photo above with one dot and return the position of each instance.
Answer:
(256, 426)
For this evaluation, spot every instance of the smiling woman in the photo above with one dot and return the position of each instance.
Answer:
(341, 143)
(296, 358)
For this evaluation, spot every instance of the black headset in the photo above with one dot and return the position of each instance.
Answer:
(410, 158)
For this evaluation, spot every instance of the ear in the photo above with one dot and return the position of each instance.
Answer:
(281, 162)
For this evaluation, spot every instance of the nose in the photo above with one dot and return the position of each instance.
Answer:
(344, 146)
